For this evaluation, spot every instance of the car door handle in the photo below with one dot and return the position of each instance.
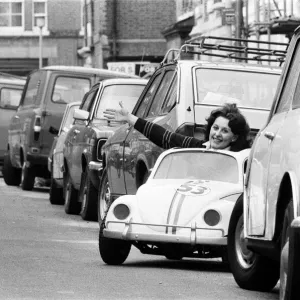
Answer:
(16, 117)
(269, 135)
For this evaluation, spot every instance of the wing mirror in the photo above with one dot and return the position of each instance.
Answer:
(80, 114)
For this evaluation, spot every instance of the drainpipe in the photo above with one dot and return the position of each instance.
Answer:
(85, 23)
(114, 31)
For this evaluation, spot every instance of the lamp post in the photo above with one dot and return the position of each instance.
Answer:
(40, 22)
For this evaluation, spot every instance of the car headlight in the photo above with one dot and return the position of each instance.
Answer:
(212, 217)
(121, 211)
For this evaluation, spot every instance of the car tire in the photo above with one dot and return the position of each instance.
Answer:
(72, 206)
(250, 270)
(112, 251)
(104, 197)
(27, 177)
(288, 218)
(11, 175)
(56, 195)
(88, 197)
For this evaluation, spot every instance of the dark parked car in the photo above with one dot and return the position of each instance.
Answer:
(45, 96)
(10, 95)
(179, 96)
(86, 137)
(56, 157)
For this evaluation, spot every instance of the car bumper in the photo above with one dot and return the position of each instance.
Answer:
(37, 159)
(192, 235)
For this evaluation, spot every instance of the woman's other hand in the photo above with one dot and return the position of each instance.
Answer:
(120, 114)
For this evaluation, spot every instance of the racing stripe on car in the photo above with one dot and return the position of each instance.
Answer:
(174, 214)
(170, 209)
(180, 202)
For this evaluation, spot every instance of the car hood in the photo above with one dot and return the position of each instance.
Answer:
(161, 201)
(105, 129)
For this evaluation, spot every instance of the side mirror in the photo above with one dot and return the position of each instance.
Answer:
(53, 130)
(80, 114)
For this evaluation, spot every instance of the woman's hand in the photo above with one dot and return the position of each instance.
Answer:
(120, 115)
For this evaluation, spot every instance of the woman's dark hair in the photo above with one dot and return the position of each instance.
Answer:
(237, 124)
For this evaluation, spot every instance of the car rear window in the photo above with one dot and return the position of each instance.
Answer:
(198, 165)
(113, 94)
(70, 89)
(247, 89)
(10, 98)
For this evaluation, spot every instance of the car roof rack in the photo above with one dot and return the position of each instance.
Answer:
(232, 48)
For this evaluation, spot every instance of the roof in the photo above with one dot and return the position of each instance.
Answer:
(233, 66)
(86, 70)
(239, 154)
(115, 81)
(74, 104)
(16, 81)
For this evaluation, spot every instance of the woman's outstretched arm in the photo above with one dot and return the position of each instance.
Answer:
(155, 133)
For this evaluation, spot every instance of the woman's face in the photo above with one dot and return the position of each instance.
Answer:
(221, 136)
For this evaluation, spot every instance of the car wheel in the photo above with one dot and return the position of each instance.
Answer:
(56, 192)
(72, 206)
(104, 197)
(11, 175)
(27, 177)
(112, 251)
(284, 257)
(88, 196)
(250, 270)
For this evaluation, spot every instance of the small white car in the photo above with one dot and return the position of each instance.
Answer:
(56, 158)
(182, 210)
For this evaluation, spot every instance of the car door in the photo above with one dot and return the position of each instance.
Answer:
(138, 152)
(75, 138)
(63, 88)
(262, 183)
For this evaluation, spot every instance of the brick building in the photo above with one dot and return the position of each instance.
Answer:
(120, 34)
(19, 33)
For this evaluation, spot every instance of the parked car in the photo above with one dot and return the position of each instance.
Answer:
(10, 95)
(183, 209)
(84, 141)
(179, 96)
(56, 158)
(260, 222)
(46, 94)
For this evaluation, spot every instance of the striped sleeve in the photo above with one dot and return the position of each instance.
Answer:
(164, 138)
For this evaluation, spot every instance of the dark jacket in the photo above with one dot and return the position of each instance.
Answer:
(164, 138)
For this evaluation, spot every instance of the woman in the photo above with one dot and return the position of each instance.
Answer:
(226, 129)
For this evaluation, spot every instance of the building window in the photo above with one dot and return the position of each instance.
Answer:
(11, 13)
(40, 12)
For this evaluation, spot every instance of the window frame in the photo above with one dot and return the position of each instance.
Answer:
(159, 75)
(36, 29)
(167, 70)
(15, 88)
(66, 75)
(8, 29)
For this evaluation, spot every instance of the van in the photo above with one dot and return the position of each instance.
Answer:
(46, 93)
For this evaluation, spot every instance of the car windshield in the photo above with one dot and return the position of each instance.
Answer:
(198, 165)
(10, 98)
(70, 89)
(247, 89)
(113, 94)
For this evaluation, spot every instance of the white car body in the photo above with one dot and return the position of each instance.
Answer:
(174, 210)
